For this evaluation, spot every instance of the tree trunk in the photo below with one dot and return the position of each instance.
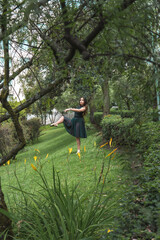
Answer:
(106, 98)
(92, 109)
(5, 222)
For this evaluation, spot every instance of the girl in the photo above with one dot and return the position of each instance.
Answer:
(76, 125)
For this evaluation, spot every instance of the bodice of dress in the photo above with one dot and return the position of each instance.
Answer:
(78, 114)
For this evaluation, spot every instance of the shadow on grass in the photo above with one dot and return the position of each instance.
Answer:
(53, 140)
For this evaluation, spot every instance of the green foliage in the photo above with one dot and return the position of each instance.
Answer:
(7, 137)
(58, 212)
(125, 131)
(118, 128)
(140, 218)
(98, 117)
(33, 129)
(123, 113)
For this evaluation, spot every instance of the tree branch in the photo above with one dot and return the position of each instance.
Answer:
(25, 19)
(37, 96)
(102, 23)
(16, 73)
(125, 55)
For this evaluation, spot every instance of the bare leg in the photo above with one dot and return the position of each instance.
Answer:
(58, 122)
(78, 144)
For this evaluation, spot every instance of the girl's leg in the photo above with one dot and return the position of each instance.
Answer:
(58, 122)
(78, 144)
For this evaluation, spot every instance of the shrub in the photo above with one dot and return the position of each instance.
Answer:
(124, 131)
(141, 204)
(123, 113)
(7, 138)
(31, 129)
(98, 117)
(117, 128)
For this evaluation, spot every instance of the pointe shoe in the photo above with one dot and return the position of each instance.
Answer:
(54, 125)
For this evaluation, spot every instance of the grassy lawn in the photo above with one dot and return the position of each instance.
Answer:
(52, 149)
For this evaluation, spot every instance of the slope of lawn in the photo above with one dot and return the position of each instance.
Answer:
(52, 149)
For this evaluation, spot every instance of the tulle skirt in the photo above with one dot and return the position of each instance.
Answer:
(75, 127)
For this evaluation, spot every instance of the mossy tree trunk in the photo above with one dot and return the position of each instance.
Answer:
(5, 222)
(106, 98)
(5, 90)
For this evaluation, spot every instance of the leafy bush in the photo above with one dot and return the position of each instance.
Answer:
(140, 218)
(98, 117)
(31, 129)
(123, 113)
(124, 131)
(7, 138)
(118, 128)
(141, 204)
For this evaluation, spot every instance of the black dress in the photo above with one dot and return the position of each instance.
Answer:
(76, 125)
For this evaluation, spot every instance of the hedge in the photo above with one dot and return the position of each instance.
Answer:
(8, 135)
(118, 128)
(124, 114)
(141, 211)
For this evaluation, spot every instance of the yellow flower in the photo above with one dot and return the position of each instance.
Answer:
(110, 142)
(103, 145)
(8, 162)
(33, 167)
(79, 155)
(37, 150)
(47, 155)
(69, 150)
(95, 144)
(111, 152)
(25, 161)
(35, 158)
(109, 231)
(84, 148)
(113, 155)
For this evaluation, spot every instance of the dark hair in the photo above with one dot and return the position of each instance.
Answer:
(85, 104)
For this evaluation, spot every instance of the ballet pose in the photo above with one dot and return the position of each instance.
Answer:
(76, 125)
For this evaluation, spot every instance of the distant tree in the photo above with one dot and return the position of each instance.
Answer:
(60, 32)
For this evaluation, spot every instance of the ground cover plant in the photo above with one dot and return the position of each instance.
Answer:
(56, 147)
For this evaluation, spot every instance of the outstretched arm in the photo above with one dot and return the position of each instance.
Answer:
(75, 109)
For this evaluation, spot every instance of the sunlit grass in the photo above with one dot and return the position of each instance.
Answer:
(58, 148)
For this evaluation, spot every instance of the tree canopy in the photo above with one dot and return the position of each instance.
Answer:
(57, 34)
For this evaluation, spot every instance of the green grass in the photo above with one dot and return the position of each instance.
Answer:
(51, 149)
(55, 142)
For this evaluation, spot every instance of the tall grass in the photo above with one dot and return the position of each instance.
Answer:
(61, 213)
(80, 203)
